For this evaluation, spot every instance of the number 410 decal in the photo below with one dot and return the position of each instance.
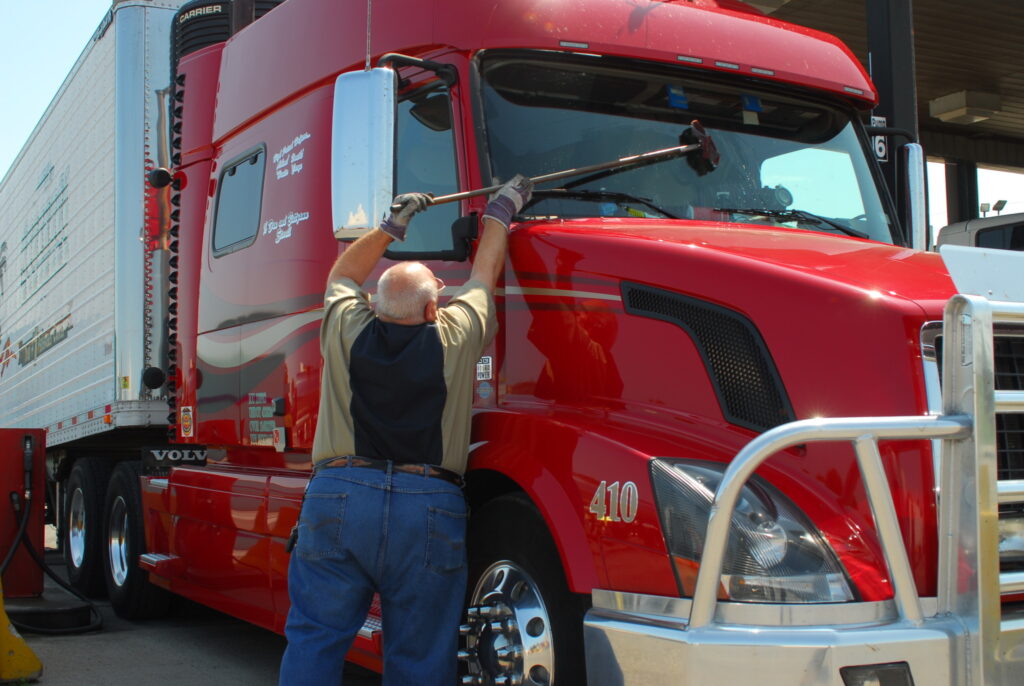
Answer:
(615, 502)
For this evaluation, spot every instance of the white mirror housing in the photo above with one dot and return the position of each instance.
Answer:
(362, 150)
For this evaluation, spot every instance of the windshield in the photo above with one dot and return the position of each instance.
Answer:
(784, 161)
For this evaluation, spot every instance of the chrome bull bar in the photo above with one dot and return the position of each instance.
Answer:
(969, 580)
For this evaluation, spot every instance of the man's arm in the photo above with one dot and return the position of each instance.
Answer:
(359, 259)
(490, 254)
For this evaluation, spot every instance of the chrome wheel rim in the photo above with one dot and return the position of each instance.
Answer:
(118, 541)
(507, 635)
(76, 528)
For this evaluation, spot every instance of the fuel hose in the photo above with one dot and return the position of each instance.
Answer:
(95, 621)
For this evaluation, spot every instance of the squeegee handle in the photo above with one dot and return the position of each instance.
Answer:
(667, 153)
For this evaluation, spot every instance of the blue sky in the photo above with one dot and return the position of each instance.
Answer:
(39, 42)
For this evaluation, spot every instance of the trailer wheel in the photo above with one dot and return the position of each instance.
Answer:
(523, 626)
(131, 594)
(82, 530)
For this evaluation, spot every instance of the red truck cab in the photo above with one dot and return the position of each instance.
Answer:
(653, 320)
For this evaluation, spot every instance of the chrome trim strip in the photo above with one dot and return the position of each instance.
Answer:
(675, 611)
(558, 293)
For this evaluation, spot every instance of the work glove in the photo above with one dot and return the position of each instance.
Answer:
(509, 200)
(403, 207)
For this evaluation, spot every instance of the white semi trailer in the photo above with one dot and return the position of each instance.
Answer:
(83, 269)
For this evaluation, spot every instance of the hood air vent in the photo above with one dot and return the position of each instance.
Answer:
(741, 369)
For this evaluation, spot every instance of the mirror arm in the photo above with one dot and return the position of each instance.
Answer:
(422, 90)
(446, 72)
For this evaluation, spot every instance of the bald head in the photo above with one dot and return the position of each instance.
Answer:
(407, 294)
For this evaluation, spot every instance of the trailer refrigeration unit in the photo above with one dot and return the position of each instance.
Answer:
(734, 427)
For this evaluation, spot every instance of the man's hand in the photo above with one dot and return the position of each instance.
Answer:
(403, 208)
(509, 200)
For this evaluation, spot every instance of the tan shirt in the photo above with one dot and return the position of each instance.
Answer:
(465, 326)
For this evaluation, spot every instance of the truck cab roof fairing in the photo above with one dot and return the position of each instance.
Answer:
(328, 37)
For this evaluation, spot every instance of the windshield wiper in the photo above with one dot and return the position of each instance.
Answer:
(596, 196)
(798, 215)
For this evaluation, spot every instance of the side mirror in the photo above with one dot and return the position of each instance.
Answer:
(917, 206)
(362, 150)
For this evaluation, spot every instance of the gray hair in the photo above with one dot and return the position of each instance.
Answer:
(404, 290)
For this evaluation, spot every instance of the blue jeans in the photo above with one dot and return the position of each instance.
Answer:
(363, 531)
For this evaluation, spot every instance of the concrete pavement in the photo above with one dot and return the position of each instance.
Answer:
(192, 646)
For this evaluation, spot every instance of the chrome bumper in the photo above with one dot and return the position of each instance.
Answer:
(634, 639)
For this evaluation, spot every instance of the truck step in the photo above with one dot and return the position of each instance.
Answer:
(162, 564)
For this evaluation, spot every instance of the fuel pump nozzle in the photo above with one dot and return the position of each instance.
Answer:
(27, 463)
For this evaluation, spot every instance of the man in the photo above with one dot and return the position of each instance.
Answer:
(384, 511)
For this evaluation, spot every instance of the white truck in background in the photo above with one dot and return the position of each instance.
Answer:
(1003, 232)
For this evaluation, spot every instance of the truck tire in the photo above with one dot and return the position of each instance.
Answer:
(131, 594)
(522, 622)
(82, 524)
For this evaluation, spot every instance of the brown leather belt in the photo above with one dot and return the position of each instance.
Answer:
(404, 467)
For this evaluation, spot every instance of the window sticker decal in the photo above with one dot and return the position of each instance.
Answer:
(677, 98)
(484, 369)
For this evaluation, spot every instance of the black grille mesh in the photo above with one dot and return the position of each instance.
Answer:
(744, 376)
(1009, 354)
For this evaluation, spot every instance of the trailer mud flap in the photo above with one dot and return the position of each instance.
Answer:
(159, 460)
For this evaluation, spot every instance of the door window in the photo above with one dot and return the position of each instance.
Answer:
(426, 164)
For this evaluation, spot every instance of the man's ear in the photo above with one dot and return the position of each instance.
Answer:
(430, 312)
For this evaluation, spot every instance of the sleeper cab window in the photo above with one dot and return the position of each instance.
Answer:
(426, 163)
(239, 196)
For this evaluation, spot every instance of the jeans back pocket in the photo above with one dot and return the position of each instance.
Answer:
(320, 524)
(446, 540)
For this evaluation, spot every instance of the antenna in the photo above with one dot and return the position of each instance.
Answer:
(369, 11)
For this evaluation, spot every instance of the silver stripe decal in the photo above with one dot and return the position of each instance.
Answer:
(228, 354)
(557, 293)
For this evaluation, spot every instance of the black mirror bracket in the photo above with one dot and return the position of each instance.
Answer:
(446, 72)
(465, 230)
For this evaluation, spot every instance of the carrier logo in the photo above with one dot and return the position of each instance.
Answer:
(200, 11)
(158, 461)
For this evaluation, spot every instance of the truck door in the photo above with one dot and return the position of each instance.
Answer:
(268, 247)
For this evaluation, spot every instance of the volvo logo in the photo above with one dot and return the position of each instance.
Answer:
(179, 455)
(159, 461)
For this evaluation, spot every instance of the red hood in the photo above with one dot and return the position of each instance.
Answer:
(876, 269)
(840, 317)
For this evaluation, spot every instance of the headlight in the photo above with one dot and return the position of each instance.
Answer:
(774, 554)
